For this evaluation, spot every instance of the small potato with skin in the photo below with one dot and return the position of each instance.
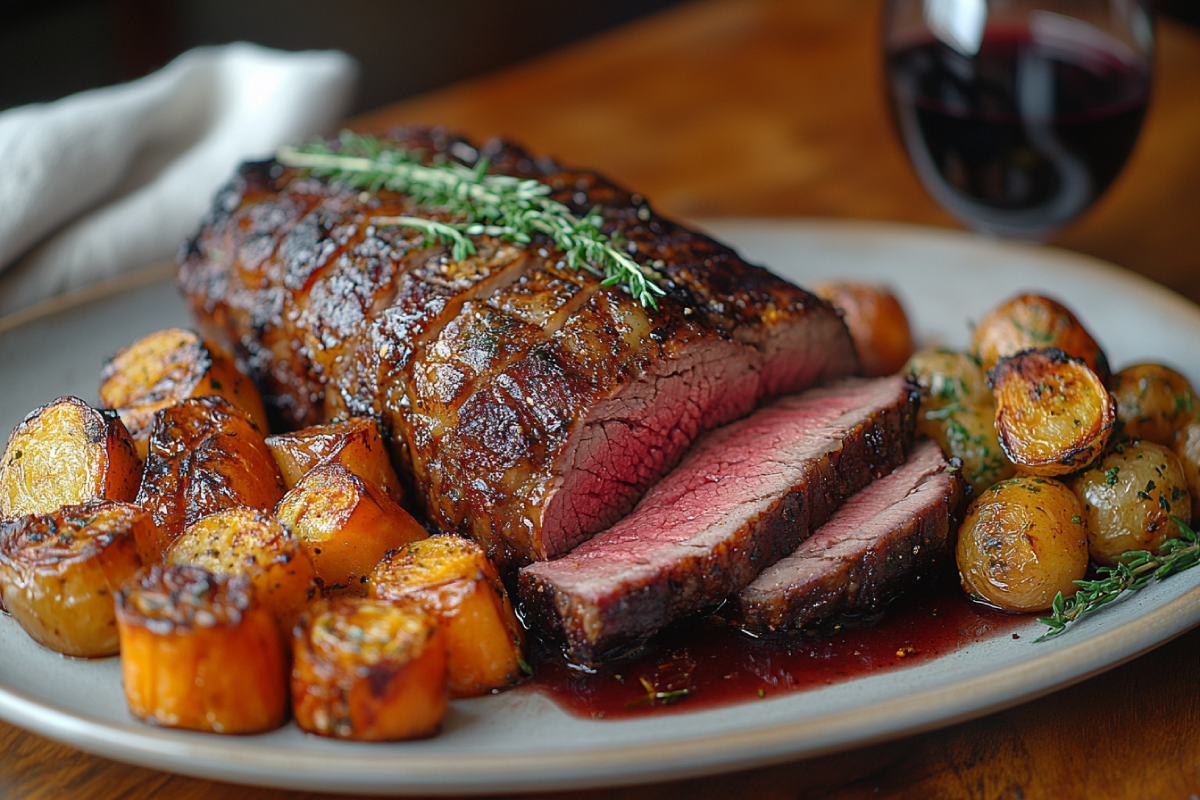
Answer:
(1187, 450)
(169, 366)
(368, 670)
(969, 434)
(67, 453)
(1153, 403)
(1022, 542)
(60, 573)
(877, 324)
(1029, 322)
(1053, 414)
(205, 455)
(453, 578)
(1130, 497)
(355, 443)
(199, 652)
(948, 378)
(245, 541)
(348, 524)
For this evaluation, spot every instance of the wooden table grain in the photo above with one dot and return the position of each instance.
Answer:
(775, 108)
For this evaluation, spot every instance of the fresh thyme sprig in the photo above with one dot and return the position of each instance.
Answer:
(653, 695)
(1175, 555)
(479, 204)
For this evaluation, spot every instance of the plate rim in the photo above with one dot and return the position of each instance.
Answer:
(212, 757)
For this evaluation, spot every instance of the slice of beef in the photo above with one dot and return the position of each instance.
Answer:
(529, 405)
(744, 496)
(875, 546)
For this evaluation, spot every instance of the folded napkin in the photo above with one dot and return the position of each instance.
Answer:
(115, 179)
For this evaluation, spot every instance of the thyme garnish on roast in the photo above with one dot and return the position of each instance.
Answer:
(480, 204)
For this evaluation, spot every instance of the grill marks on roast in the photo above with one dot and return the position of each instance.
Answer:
(744, 496)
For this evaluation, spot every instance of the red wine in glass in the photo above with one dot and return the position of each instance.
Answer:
(1021, 136)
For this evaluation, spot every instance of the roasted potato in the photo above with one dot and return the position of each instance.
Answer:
(1130, 496)
(1053, 414)
(67, 453)
(243, 541)
(1023, 541)
(1187, 450)
(166, 367)
(205, 455)
(969, 434)
(947, 378)
(348, 524)
(1031, 322)
(60, 573)
(453, 578)
(355, 444)
(1153, 403)
(369, 670)
(199, 652)
(877, 324)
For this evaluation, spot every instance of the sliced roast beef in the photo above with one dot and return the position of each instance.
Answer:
(744, 496)
(530, 405)
(874, 547)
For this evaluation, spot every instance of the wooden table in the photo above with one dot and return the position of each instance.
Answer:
(775, 108)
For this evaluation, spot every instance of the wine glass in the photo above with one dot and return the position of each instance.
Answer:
(1018, 114)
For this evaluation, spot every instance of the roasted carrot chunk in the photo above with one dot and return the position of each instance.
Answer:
(244, 541)
(369, 670)
(453, 578)
(60, 573)
(169, 366)
(348, 524)
(67, 453)
(355, 443)
(199, 652)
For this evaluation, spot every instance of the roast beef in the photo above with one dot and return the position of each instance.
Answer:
(529, 405)
(744, 496)
(876, 545)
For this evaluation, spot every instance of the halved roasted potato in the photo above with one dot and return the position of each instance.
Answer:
(168, 366)
(1130, 496)
(1053, 414)
(67, 453)
(198, 651)
(369, 670)
(948, 378)
(1153, 402)
(877, 324)
(1029, 322)
(244, 541)
(968, 433)
(60, 573)
(205, 455)
(1022, 542)
(453, 578)
(348, 524)
(355, 443)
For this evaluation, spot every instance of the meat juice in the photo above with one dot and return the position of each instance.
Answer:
(700, 663)
(1022, 137)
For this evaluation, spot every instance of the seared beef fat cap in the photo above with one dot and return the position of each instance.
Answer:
(529, 406)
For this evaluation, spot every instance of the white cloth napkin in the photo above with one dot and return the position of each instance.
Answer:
(117, 178)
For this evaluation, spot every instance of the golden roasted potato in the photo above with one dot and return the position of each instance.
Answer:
(368, 670)
(1153, 403)
(355, 444)
(1187, 450)
(166, 367)
(205, 455)
(1130, 496)
(348, 524)
(877, 324)
(244, 541)
(67, 453)
(453, 578)
(1023, 541)
(60, 573)
(1053, 414)
(199, 652)
(1029, 322)
(969, 433)
(948, 378)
